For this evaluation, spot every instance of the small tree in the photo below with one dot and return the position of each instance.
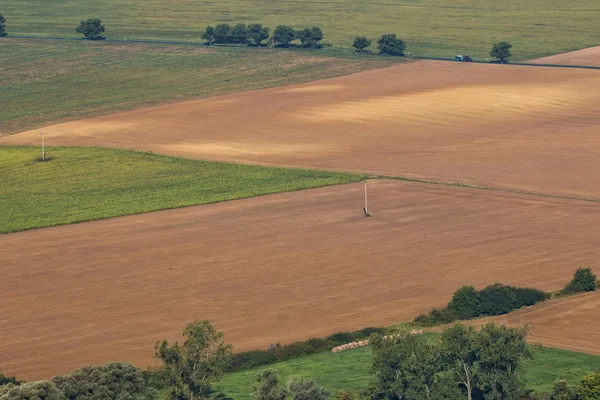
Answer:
(5, 380)
(584, 280)
(267, 386)
(193, 366)
(589, 388)
(345, 395)
(91, 29)
(459, 352)
(307, 389)
(284, 35)
(562, 391)
(209, 35)
(239, 34)
(2, 26)
(501, 51)
(257, 33)
(361, 43)
(465, 302)
(222, 33)
(31, 390)
(391, 45)
(310, 37)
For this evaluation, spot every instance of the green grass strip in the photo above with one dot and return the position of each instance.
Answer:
(83, 184)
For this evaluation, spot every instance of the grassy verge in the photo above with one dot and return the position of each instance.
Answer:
(431, 27)
(83, 184)
(350, 370)
(47, 81)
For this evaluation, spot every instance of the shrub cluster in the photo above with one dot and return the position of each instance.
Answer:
(277, 353)
(496, 299)
(584, 280)
(256, 34)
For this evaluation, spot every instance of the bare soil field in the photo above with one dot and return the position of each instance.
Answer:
(524, 128)
(589, 56)
(569, 323)
(277, 268)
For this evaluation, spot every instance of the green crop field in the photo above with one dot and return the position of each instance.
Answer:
(82, 184)
(431, 27)
(350, 370)
(51, 81)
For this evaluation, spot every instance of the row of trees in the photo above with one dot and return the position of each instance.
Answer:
(256, 34)
(2, 26)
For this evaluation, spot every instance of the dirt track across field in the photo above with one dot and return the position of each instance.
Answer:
(525, 128)
(275, 269)
(589, 56)
(569, 323)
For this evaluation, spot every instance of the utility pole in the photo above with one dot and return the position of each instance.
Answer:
(366, 204)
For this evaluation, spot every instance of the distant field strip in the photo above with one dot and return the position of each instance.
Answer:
(276, 268)
(47, 81)
(83, 184)
(536, 28)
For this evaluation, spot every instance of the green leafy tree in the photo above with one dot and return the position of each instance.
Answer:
(361, 43)
(284, 35)
(460, 353)
(2, 26)
(257, 33)
(404, 367)
(112, 381)
(267, 386)
(310, 37)
(589, 388)
(222, 33)
(584, 280)
(501, 51)
(42, 390)
(500, 349)
(465, 302)
(209, 35)
(307, 389)
(91, 29)
(391, 45)
(5, 380)
(193, 366)
(562, 391)
(239, 34)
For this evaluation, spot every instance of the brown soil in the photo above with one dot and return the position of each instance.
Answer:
(276, 268)
(569, 323)
(526, 128)
(589, 56)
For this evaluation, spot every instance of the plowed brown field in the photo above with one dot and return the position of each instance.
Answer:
(571, 323)
(589, 56)
(526, 128)
(275, 268)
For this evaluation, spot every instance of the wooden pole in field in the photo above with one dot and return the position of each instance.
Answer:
(43, 151)
(366, 201)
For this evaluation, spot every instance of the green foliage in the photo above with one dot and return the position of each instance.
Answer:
(389, 44)
(110, 173)
(284, 35)
(562, 391)
(239, 34)
(201, 360)
(222, 33)
(436, 316)
(2, 26)
(5, 380)
(496, 299)
(91, 29)
(267, 386)
(589, 387)
(458, 346)
(307, 389)
(361, 43)
(501, 51)
(465, 302)
(257, 33)
(584, 280)
(113, 381)
(209, 35)
(41, 390)
(344, 395)
(310, 37)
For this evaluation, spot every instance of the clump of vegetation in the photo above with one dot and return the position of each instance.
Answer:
(5, 380)
(91, 29)
(391, 45)
(268, 387)
(587, 389)
(2, 26)
(256, 34)
(584, 280)
(284, 35)
(361, 43)
(501, 51)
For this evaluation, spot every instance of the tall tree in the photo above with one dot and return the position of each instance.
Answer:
(222, 33)
(2, 26)
(310, 37)
(193, 366)
(501, 51)
(391, 45)
(284, 35)
(267, 386)
(459, 352)
(584, 280)
(361, 43)
(91, 29)
(209, 35)
(239, 34)
(465, 302)
(257, 33)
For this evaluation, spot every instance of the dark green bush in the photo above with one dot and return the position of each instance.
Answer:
(584, 280)
(527, 296)
(465, 302)
(341, 338)
(5, 380)
(496, 299)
